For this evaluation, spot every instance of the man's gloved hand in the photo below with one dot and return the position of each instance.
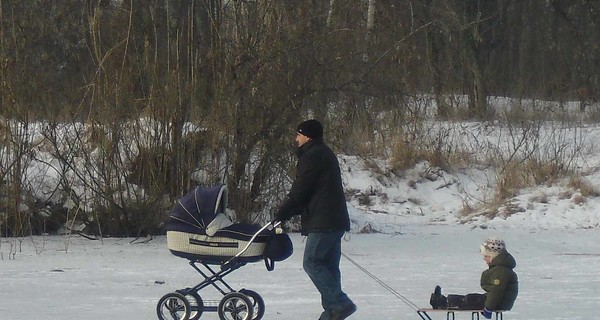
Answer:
(487, 313)
(280, 216)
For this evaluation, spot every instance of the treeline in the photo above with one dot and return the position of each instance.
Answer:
(242, 74)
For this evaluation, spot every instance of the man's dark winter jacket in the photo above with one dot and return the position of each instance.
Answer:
(500, 282)
(317, 193)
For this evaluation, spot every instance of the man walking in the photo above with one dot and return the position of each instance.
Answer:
(318, 196)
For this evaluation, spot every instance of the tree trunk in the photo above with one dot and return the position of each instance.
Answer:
(371, 15)
(477, 95)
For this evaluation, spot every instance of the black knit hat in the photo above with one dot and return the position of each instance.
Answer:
(311, 128)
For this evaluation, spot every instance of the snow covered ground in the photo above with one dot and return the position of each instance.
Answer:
(117, 279)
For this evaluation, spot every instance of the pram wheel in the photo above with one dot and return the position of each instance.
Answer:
(196, 305)
(258, 303)
(173, 306)
(235, 306)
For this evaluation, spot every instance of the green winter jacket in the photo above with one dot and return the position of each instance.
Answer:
(500, 282)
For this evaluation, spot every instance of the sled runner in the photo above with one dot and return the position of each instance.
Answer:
(451, 313)
(199, 231)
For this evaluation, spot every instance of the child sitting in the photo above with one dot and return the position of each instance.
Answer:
(499, 281)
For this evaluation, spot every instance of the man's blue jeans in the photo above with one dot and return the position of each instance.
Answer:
(322, 255)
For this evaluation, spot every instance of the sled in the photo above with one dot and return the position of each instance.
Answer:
(451, 314)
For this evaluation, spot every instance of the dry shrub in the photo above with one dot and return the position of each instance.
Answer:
(435, 150)
(517, 114)
(415, 201)
(510, 180)
(532, 172)
(134, 218)
(364, 200)
(509, 208)
(540, 198)
(512, 208)
(462, 159)
(360, 140)
(403, 155)
(367, 229)
(544, 172)
(585, 188)
(566, 194)
(593, 114)
(466, 209)
(578, 199)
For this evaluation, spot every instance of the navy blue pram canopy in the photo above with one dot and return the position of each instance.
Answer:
(195, 211)
(187, 235)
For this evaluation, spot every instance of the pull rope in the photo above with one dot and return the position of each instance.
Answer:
(383, 284)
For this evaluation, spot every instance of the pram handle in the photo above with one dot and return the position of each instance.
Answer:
(274, 224)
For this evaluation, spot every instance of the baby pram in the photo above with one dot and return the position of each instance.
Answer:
(199, 231)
